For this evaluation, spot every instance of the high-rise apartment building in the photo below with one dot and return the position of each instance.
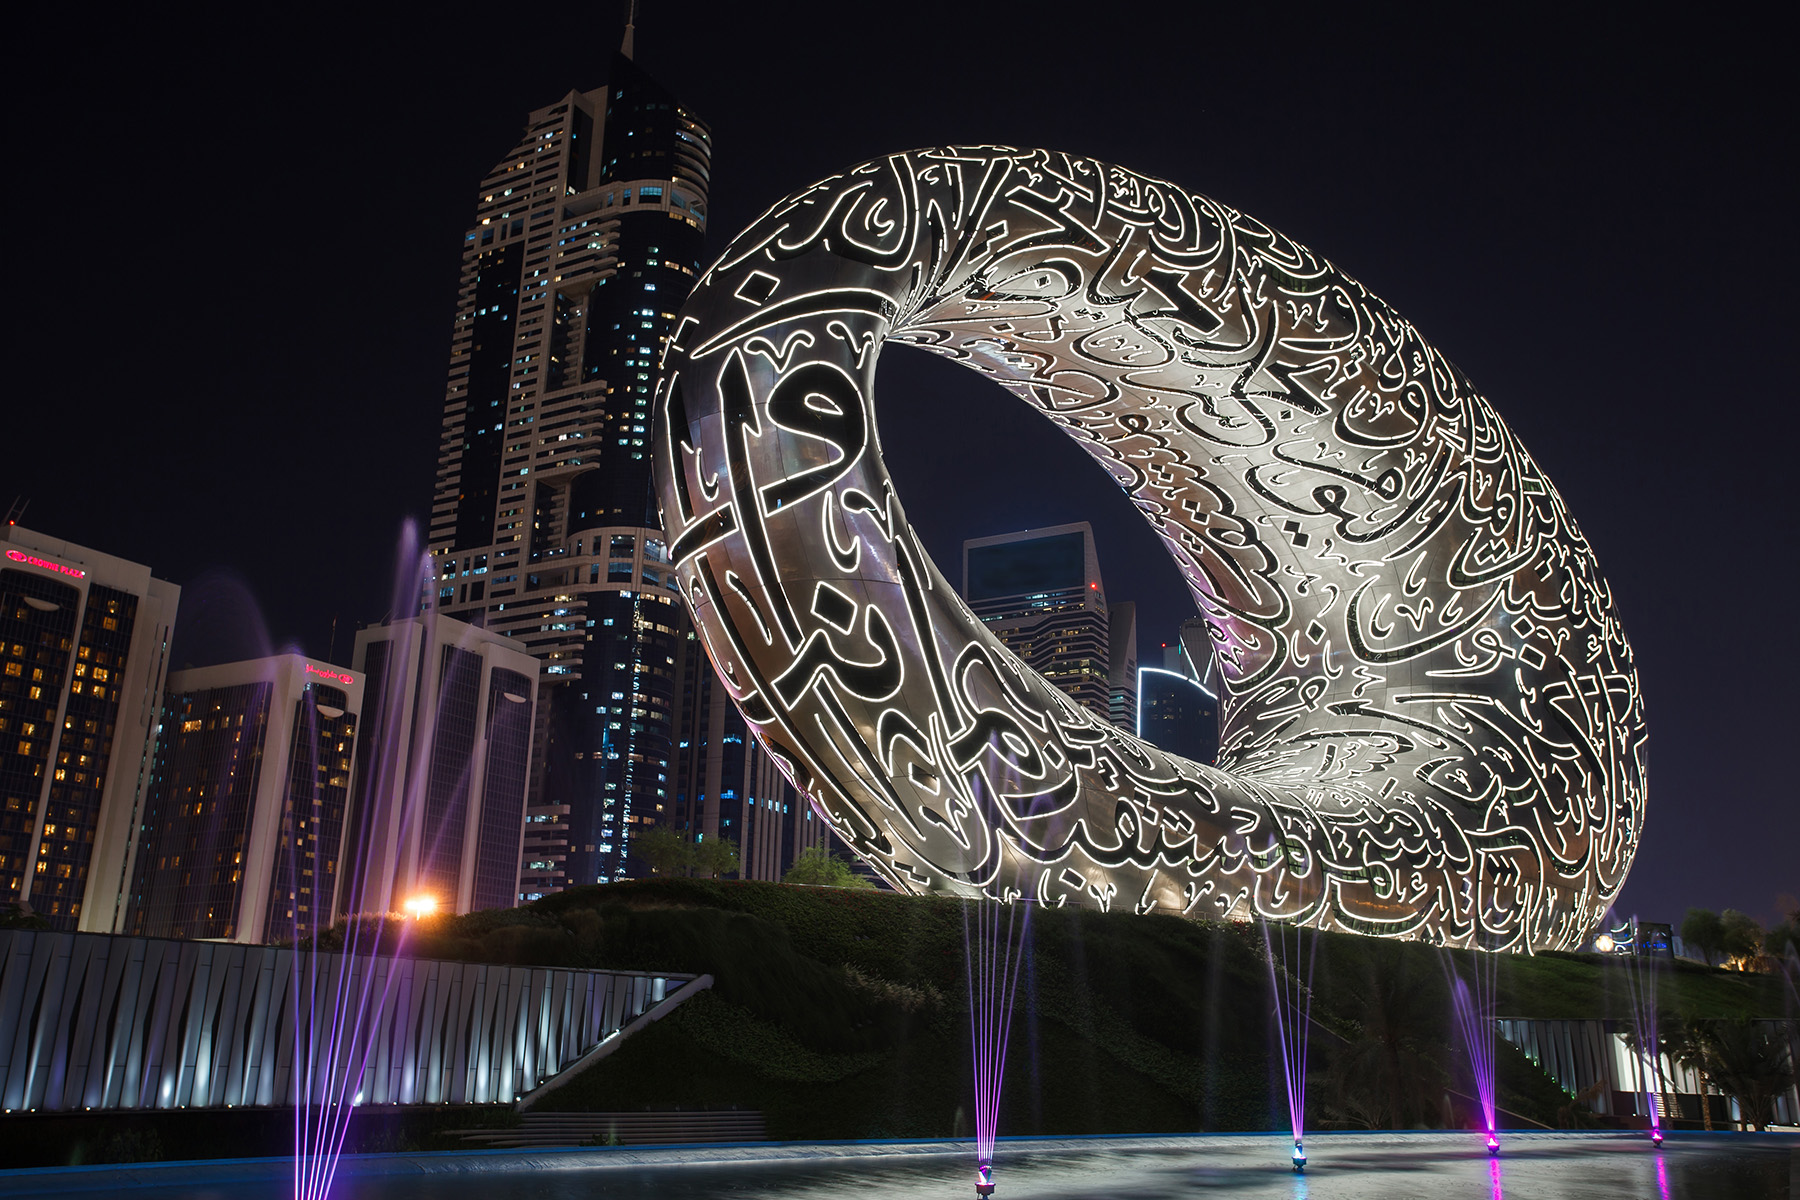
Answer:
(438, 804)
(84, 641)
(1176, 709)
(242, 828)
(1121, 663)
(1191, 654)
(727, 786)
(1177, 714)
(1040, 593)
(587, 238)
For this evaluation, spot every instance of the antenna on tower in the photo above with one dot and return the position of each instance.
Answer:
(21, 503)
(630, 28)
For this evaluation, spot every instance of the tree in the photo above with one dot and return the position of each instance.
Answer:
(1701, 930)
(715, 858)
(1749, 1062)
(1740, 937)
(1783, 939)
(14, 915)
(1578, 1112)
(667, 852)
(1389, 1076)
(1686, 1044)
(818, 867)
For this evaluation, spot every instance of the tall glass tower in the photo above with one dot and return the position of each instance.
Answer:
(1040, 593)
(587, 238)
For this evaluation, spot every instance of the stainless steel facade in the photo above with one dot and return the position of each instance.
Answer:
(93, 1021)
(1432, 722)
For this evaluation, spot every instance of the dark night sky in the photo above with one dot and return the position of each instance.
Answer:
(235, 253)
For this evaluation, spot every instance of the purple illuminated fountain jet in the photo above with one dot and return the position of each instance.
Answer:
(1640, 977)
(1473, 1001)
(1290, 981)
(338, 1004)
(993, 956)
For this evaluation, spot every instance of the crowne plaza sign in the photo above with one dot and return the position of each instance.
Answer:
(19, 556)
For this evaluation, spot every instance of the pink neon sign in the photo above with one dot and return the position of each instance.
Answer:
(33, 560)
(338, 676)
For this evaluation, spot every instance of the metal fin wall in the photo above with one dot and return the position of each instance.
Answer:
(92, 1021)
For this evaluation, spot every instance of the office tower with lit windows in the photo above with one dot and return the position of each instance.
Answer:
(1177, 709)
(726, 785)
(1040, 592)
(84, 643)
(587, 237)
(242, 822)
(1178, 714)
(438, 805)
(1121, 663)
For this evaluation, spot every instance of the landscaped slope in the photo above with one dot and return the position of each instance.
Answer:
(842, 1013)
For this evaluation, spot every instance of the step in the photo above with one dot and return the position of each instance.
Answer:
(628, 1128)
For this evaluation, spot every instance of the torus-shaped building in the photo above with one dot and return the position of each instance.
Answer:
(1432, 725)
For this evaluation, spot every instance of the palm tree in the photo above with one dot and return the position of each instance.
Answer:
(1686, 1045)
(1578, 1113)
(1750, 1063)
(1390, 1076)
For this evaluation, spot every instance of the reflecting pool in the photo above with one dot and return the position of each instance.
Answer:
(1538, 1166)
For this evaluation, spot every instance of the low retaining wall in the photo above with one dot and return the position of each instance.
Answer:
(94, 1021)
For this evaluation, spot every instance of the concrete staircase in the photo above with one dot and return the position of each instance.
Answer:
(540, 1129)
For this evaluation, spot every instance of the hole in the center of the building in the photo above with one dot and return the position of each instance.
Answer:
(1048, 550)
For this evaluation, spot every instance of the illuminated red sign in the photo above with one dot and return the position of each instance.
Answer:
(18, 556)
(337, 676)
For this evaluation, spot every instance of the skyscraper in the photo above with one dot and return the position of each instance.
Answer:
(438, 805)
(84, 644)
(1122, 663)
(586, 240)
(242, 822)
(727, 786)
(1176, 709)
(1176, 713)
(1040, 593)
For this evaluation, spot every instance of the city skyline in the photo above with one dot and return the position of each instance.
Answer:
(1468, 270)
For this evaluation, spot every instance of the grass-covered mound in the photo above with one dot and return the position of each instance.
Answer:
(844, 1014)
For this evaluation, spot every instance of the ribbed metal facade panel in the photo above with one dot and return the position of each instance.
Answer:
(1578, 1054)
(92, 1021)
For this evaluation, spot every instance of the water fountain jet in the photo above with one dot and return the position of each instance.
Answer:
(1475, 1019)
(342, 1013)
(1291, 984)
(992, 955)
(1640, 978)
